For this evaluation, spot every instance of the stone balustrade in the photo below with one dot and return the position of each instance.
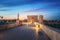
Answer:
(52, 33)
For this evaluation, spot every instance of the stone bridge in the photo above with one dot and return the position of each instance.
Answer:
(52, 33)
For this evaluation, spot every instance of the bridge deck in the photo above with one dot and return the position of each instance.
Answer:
(23, 33)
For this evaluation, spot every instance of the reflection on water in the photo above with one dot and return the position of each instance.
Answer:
(36, 30)
(37, 33)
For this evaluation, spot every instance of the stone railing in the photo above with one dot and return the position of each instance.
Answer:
(52, 33)
(8, 26)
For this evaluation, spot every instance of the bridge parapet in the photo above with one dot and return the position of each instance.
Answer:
(51, 32)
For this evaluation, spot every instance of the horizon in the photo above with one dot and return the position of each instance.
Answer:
(50, 9)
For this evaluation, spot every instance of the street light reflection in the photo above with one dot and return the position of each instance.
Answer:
(36, 29)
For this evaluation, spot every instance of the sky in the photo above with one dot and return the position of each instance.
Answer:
(50, 9)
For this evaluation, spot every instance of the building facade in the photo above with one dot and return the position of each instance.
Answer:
(40, 18)
(32, 18)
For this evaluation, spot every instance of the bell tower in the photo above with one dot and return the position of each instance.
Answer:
(18, 16)
(18, 19)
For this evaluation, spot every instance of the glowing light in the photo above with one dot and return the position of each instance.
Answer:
(37, 29)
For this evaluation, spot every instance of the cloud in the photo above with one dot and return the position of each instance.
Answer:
(9, 3)
(55, 4)
(4, 9)
(1, 5)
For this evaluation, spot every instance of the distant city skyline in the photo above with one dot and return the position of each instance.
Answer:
(50, 9)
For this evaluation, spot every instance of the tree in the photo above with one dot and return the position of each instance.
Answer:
(1, 17)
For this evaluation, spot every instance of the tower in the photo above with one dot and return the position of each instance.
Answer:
(18, 19)
(18, 16)
(41, 18)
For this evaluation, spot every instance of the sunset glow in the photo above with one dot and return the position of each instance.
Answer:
(50, 10)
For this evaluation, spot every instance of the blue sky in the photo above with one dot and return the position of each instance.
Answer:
(49, 8)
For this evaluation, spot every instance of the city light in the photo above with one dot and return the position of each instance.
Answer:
(29, 20)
